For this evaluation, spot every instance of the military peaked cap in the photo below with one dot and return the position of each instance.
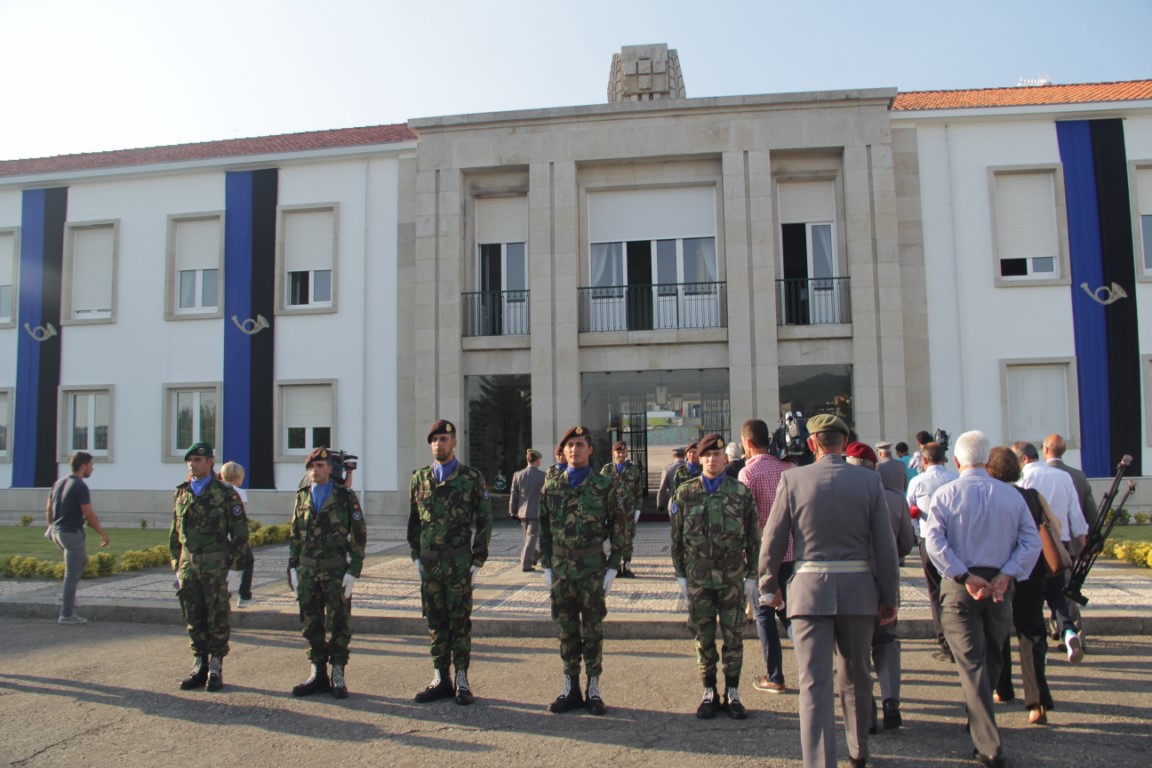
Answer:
(577, 431)
(199, 449)
(442, 427)
(711, 442)
(318, 454)
(826, 422)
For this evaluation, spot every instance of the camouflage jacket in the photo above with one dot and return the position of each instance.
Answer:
(441, 515)
(209, 523)
(575, 523)
(629, 484)
(336, 532)
(715, 538)
(684, 473)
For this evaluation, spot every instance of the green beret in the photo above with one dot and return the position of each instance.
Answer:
(575, 432)
(199, 449)
(711, 442)
(826, 422)
(318, 454)
(442, 427)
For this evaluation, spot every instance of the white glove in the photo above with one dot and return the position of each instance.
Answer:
(48, 533)
(683, 582)
(349, 582)
(637, 519)
(472, 573)
(751, 591)
(233, 581)
(419, 569)
(609, 577)
(294, 579)
(548, 578)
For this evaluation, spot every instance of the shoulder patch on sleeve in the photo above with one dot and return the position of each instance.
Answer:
(673, 508)
(237, 510)
(357, 515)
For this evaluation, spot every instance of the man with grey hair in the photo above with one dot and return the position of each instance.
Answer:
(524, 504)
(982, 538)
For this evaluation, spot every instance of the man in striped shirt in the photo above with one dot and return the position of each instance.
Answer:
(761, 473)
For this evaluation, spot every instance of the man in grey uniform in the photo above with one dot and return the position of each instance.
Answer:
(846, 576)
(524, 504)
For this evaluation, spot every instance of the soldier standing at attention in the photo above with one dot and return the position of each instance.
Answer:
(448, 498)
(689, 469)
(578, 513)
(629, 490)
(715, 542)
(325, 555)
(208, 539)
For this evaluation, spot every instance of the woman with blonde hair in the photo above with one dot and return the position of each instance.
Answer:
(233, 474)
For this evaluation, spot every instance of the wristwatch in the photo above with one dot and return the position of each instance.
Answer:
(962, 577)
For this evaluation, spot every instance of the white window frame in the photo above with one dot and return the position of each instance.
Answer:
(68, 313)
(1058, 220)
(283, 277)
(1068, 364)
(283, 452)
(7, 395)
(172, 309)
(65, 448)
(1140, 192)
(169, 452)
(13, 276)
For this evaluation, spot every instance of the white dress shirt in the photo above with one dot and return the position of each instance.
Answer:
(1056, 487)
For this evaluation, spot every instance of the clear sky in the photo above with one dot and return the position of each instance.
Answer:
(92, 75)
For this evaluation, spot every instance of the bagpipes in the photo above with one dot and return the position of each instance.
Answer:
(1102, 526)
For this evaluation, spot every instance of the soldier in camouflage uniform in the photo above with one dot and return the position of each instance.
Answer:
(715, 546)
(630, 491)
(578, 512)
(325, 555)
(690, 468)
(447, 499)
(208, 540)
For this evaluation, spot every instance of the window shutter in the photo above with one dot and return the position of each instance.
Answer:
(92, 250)
(1026, 215)
(1144, 191)
(1037, 401)
(651, 214)
(308, 240)
(198, 244)
(7, 257)
(308, 406)
(807, 202)
(501, 220)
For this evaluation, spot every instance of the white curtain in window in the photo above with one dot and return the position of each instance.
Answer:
(1037, 401)
(308, 406)
(502, 220)
(1026, 215)
(7, 257)
(651, 214)
(807, 202)
(92, 252)
(309, 240)
(197, 244)
(607, 264)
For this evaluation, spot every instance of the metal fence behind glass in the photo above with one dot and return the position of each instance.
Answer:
(814, 301)
(665, 306)
(495, 313)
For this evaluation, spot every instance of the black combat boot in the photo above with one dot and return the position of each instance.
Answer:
(316, 682)
(215, 673)
(892, 718)
(439, 688)
(594, 702)
(339, 689)
(464, 695)
(710, 703)
(732, 703)
(570, 697)
(626, 572)
(199, 675)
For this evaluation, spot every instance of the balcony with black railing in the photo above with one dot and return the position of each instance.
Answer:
(665, 306)
(813, 301)
(494, 313)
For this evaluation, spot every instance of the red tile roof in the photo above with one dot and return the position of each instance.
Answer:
(210, 150)
(1079, 93)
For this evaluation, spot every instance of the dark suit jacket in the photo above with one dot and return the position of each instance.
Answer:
(834, 511)
(1083, 489)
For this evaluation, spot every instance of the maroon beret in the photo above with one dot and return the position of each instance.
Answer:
(318, 454)
(576, 431)
(442, 427)
(693, 446)
(619, 444)
(712, 442)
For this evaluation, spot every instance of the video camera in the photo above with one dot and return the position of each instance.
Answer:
(941, 438)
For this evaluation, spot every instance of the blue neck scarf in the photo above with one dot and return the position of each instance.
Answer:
(442, 471)
(577, 476)
(199, 485)
(711, 484)
(320, 494)
(620, 467)
(694, 468)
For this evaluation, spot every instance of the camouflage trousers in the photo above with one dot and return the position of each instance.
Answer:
(324, 612)
(629, 535)
(705, 604)
(446, 595)
(578, 606)
(203, 595)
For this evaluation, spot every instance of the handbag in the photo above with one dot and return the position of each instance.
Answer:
(1056, 557)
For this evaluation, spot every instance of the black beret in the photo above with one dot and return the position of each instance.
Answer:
(442, 427)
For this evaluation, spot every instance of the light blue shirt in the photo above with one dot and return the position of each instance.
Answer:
(923, 486)
(980, 522)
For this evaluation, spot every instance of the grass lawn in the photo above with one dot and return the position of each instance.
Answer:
(1131, 533)
(29, 541)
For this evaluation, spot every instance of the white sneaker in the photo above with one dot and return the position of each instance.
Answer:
(242, 603)
(73, 619)
(1075, 647)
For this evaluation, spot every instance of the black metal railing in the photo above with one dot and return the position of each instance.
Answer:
(495, 313)
(813, 301)
(665, 306)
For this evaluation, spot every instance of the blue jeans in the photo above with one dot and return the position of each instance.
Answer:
(75, 551)
(769, 634)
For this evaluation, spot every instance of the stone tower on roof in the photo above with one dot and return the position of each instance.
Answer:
(645, 73)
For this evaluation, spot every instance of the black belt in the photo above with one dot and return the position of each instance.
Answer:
(444, 554)
(332, 562)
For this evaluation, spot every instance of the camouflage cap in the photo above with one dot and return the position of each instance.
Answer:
(318, 454)
(576, 431)
(712, 442)
(826, 422)
(619, 445)
(199, 449)
(861, 452)
(442, 427)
